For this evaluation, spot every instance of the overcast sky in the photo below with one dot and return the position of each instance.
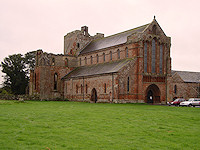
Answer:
(27, 25)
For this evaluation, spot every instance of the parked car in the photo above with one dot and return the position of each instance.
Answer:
(191, 102)
(176, 102)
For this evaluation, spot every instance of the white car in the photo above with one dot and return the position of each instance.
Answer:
(191, 102)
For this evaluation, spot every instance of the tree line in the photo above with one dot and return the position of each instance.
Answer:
(17, 72)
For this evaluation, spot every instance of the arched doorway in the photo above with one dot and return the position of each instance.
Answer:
(94, 95)
(152, 94)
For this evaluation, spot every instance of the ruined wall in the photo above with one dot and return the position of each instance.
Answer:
(46, 78)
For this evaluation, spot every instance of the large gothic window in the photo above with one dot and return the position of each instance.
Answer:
(161, 58)
(55, 81)
(145, 57)
(153, 57)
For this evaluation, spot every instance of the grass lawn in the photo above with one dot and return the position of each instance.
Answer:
(77, 125)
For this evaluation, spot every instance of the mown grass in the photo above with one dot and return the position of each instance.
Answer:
(71, 125)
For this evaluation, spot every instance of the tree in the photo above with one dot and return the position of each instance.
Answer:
(17, 69)
(30, 60)
(16, 76)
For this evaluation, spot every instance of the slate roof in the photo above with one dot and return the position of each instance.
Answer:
(186, 76)
(112, 40)
(105, 68)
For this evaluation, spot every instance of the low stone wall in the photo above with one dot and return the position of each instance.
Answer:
(19, 97)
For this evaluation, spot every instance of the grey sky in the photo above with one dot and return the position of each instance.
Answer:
(27, 25)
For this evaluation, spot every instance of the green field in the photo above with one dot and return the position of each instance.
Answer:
(74, 125)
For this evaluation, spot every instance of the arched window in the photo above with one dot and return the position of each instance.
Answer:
(175, 89)
(153, 56)
(145, 57)
(53, 61)
(91, 59)
(118, 54)
(76, 89)
(97, 58)
(66, 62)
(126, 50)
(80, 61)
(161, 58)
(128, 84)
(110, 55)
(104, 57)
(105, 88)
(86, 88)
(35, 82)
(55, 81)
(85, 61)
(81, 88)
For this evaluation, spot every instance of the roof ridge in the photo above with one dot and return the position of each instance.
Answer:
(127, 30)
(186, 71)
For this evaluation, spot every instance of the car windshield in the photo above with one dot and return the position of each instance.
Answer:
(176, 100)
(190, 99)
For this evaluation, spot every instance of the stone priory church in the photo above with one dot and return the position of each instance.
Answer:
(133, 66)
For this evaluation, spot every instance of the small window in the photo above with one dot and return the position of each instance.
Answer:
(104, 57)
(85, 61)
(55, 81)
(128, 85)
(105, 88)
(97, 58)
(126, 52)
(118, 54)
(78, 45)
(91, 59)
(110, 55)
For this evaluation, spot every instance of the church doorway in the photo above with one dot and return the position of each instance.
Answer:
(94, 95)
(152, 94)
